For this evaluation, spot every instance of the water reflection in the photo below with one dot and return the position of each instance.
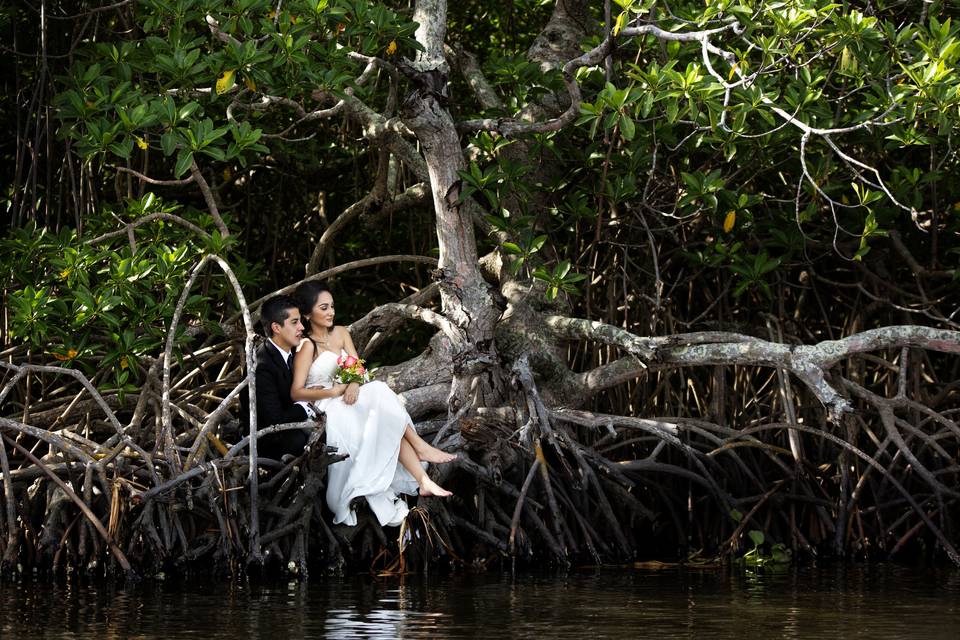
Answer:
(846, 602)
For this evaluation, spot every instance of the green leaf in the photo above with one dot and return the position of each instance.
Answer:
(647, 104)
(780, 554)
(627, 127)
(673, 108)
(170, 110)
(215, 152)
(184, 160)
(188, 110)
(622, 21)
(123, 148)
(168, 143)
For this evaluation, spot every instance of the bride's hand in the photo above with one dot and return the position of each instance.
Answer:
(338, 389)
(351, 393)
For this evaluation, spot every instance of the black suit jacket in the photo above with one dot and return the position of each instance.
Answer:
(274, 405)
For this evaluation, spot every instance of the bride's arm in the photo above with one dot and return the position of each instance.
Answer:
(348, 342)
(301, 366)
(353, 389)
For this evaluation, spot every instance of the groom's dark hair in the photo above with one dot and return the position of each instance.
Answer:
(275, 310)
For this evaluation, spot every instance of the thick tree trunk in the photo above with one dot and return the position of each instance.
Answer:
(466, 298)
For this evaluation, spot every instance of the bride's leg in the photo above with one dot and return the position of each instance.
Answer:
(410, 462)
(424, 450)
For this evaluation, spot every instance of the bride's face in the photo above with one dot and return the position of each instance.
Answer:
(322, 313)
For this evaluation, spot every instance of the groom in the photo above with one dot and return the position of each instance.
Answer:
(280, 319)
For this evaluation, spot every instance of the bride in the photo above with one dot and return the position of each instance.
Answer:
(386, 455)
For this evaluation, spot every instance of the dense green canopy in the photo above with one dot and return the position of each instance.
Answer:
(796, 132)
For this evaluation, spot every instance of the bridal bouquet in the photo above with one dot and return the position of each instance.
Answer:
(351, 369)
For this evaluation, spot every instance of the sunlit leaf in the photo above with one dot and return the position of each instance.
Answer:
(729, 221)
(226, 81)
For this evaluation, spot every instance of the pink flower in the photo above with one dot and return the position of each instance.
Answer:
(350, 361)
(361, 370)
(339, 360)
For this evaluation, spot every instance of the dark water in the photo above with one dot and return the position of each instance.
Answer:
(840, 602)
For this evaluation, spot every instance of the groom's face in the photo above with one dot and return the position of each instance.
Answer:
(288, 334)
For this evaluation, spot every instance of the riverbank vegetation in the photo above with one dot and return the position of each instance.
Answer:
(676, 279)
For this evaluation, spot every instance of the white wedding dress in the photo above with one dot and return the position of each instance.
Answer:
(369, 431)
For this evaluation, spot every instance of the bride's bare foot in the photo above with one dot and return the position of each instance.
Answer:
(430, 488)
(428, 453)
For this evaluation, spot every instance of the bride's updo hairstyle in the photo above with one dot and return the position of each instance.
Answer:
(306, 295)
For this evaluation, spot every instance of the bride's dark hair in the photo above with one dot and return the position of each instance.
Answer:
(306, 295)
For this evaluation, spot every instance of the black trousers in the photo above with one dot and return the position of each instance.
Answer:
(275, 445)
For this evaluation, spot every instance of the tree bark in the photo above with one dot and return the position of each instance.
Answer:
(465, 297)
